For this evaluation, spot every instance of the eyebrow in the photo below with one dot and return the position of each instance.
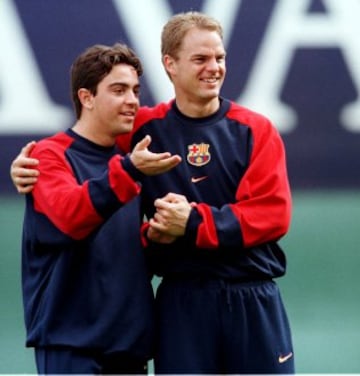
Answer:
(123, 84)
(197, 56)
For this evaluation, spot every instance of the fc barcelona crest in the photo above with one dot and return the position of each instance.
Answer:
(198, 154)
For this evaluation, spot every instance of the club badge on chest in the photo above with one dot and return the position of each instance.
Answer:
(198, 154)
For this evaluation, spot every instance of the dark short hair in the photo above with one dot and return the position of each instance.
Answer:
(90, 67)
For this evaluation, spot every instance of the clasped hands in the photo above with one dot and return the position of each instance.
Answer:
(170, 219)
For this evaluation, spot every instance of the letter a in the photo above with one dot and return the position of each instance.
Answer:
(289, 28)
(25, 106)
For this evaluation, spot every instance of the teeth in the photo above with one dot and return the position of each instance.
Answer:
(210, 80)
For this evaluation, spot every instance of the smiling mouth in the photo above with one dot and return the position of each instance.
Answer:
(128, 114)
(210, 80)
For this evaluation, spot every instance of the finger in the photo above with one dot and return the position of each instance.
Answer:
(25, 189)
(153, 234)
(143, 144)
(24, 173)
(23, 176)
(163, 158)
(26, 150)
(174, 198)
(29, 172)
(28, 180)
(167, 159)
(159, 218)
(162, 204)
(22, 162)
(156, 225)
(171, 197)
(166, 164)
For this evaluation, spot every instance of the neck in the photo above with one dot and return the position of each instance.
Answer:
(85, 130)
(197, 109)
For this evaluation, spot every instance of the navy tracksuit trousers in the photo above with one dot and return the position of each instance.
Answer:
(221, 327)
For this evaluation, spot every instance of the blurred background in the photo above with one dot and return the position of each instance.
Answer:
(295, 61)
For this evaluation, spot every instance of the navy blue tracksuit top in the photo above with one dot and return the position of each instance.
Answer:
(233, 170)
(85, 283)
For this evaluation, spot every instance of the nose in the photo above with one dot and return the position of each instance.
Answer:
(213, 64)
(131, 97)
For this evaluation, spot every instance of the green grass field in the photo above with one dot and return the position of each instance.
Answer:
(321, 289)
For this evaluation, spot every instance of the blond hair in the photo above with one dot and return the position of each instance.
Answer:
(176, 28)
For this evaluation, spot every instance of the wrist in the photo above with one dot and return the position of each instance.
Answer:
(130, 168)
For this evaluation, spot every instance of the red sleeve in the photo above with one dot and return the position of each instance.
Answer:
(68, 204)
(263, 199)
(263, 205)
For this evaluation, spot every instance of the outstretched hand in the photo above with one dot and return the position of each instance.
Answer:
(150, 163)
(23, 170)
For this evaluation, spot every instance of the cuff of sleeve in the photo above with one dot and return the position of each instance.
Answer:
(129, 167)
(143, 232)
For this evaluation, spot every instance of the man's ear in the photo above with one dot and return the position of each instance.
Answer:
(169, 65)
(86, 98)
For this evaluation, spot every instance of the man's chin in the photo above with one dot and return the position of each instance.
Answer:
(126, 128)
(210, 95)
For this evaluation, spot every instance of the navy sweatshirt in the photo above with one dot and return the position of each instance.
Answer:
(234, 170)
(85, 282)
